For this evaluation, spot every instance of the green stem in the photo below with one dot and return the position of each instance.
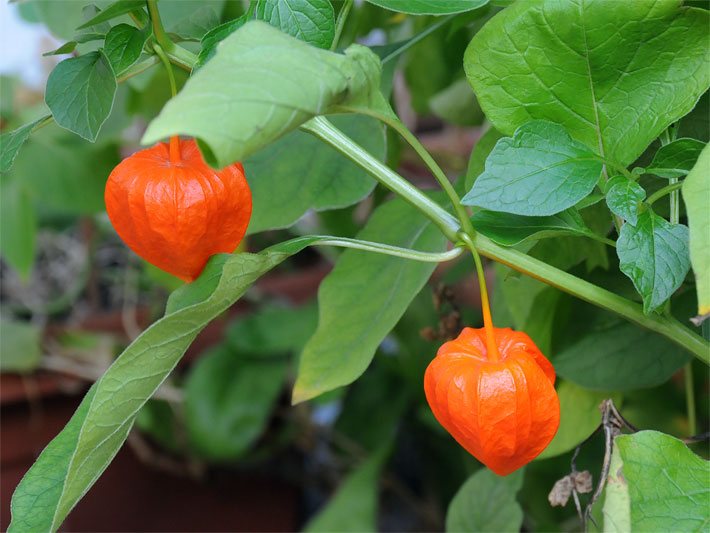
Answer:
(137, 68)
(340, 23)
(182, 58)
(660, 193)
(391, 119)
(324, 130)
(158, 31)
(386, 249)
(418, 37)
(690, 399)
(666, 326)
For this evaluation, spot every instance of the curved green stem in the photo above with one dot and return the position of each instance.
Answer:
(158, 31)
(660, 193)
(324, 130)
(137, 68)
(174, 140)
(182, 58)
(666, 326)
(386, 249)
(340, 23)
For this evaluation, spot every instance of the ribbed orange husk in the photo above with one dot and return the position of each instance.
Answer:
(175, 215)
(503, 412)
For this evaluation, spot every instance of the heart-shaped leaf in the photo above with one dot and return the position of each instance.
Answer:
(623, 197)
(675, 159)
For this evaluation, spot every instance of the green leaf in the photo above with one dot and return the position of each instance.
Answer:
(696, 191)
(617, 512)
(216, 35)
(75, 459)
(18, 226)
(675, 159)
(63, 172)
(312, 21)
(457, 105)
(615, 74)
(20, 349)
(623, 197)
(486, 502)
(297, 173)
(430, 7)
(354, 505)
(190, 19)
(579, 416)
(271, 102)
(508, 230)
(479, 154)
(12, 141)
(66, 48)
(122, 7)
(123, 46)
(540, 171)
(363, 298)
(254, 334)
(228, 401)
(80, 93)
(667, 483)
(653, 253)
(620, 357)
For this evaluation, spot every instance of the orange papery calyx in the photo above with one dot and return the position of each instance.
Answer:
(493, 391)
(174, 210)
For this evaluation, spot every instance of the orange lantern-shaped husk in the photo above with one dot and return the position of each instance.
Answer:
(502, 408)
(175, 211)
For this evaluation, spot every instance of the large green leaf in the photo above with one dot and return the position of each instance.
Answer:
(354, 505)
(74, 460)
(430, 7)
(362, 299)
(18, 226)
(540, 171)
(615, 74)
(508, 230)
(667, 483)
(579, 416)
(486, 502)
(297, 173)
(20, 346)
(281, 81)
(12, 141)
(621, 357)
(675, 159)
(312, 21)
(80, 93)
(623, 197)
(696, 191)
(228, 401)
(123, 46)
(653, 253)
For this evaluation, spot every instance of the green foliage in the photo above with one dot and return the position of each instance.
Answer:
(228, 401)
(602, 72)
(479, 154)
(508, 230)
(362, 299)
(653, 253)
(623, 197)
(123, 46)
(323, 82)
(212, 38)
(579, 416)
(457, 104)
(296, 173)
(540, 171)
(312, 21)
(667, 483)
(80, 93)
(696, 191)
(486, 502)
(20, 348)
(354, 505)
(18, 226)
(616, 510)
(675, 159)
(619, 357)
(12, 141)
(430, 7)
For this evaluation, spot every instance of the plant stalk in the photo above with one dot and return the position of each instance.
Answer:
(672, 188)
(340, 23)
(666, 326)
